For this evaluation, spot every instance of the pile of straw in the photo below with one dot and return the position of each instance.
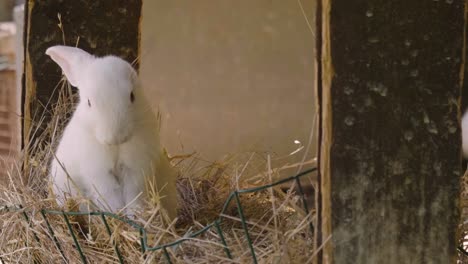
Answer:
(276, 221)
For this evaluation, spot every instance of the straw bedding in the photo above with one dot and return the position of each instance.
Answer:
(277, 223)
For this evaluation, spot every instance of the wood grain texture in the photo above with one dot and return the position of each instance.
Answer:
(391, 157)
(8, 122)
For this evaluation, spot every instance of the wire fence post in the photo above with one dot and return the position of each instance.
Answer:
(142, 240)
(245, 227)
(29, 223)
(75, 240)
(166, 254)
(304, 203)
(116, 247)
(223, 240)
(52, 234)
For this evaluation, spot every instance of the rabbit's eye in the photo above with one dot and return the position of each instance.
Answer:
(89, 103)
(132, 97)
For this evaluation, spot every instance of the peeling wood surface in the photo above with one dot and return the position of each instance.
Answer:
(99, 27)
(391, 157)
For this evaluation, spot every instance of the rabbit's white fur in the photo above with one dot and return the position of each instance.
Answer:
(464, 127)
(110, 149)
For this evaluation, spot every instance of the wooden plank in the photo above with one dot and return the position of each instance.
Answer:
(390, 150)
(102, 27)
(8, 118)
(5, 9)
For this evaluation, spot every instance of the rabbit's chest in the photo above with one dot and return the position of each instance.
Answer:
(114, 163)
(123, 163)
(118, 170)
(102, 161)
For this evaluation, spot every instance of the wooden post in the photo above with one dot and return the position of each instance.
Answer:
(390, 146)
(99, 27)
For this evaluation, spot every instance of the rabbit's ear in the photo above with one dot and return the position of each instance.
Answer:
(71, 60)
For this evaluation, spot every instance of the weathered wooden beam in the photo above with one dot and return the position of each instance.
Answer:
(99, 27)
(390, 152)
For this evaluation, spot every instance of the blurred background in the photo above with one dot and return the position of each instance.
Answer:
(229, 77)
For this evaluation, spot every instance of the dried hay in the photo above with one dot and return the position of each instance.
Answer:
(277, 224)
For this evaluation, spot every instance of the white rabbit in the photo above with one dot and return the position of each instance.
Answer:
(110, 150)
(464, 127)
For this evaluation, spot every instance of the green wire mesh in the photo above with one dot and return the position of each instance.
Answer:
(143, 234)
(235, 195)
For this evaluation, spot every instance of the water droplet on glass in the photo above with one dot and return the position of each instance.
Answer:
(449, 1)
(369, 13)
(378, 88)
(437, 166)
(349, 120)
(382, 212)
(408, 180)
(414, 73)
(348, 90)
(297, 142)
(405, 62)
(432, 128)
(426, 118)
(409, 135)
(415, 121)
(397, 167)
(407, 42)
(414, 53)
(373, 40)
(421, 212)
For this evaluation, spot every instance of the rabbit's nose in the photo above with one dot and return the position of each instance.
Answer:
(114, 140)
(124, 139)
(117, 141)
